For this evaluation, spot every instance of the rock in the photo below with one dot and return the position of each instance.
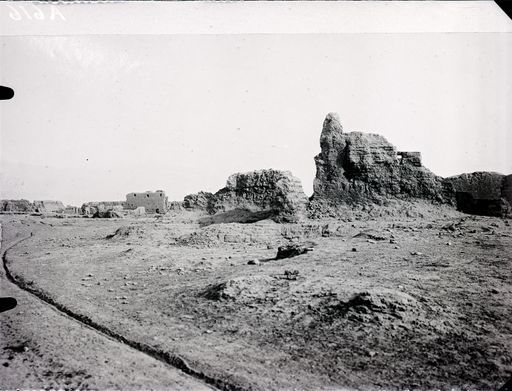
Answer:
(124, 232)
(291, 274)
(277, 192)
(372, 235)
(361, 167)
(482, 193)
(254, 262)
(292, 250)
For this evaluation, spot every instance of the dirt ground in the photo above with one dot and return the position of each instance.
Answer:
(380, 304)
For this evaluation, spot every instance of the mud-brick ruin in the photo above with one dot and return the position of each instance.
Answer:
(152, 202)
(352, 169)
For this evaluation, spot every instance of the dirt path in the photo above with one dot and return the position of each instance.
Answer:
(45, 345)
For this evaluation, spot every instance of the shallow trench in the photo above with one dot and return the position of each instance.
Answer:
(165, 357)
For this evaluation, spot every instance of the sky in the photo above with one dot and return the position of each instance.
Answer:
(95, 117)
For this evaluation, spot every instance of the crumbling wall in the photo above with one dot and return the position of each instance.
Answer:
(410, 158)
(481, 193)
(16, 206)
(49, 206)
(90, 208)
(199, 201)
(277, 192)
(506, 189)
(72, 210)
(153, 202)
(360, 167)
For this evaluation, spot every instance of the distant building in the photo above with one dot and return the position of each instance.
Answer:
(153, 202)
(72, 210)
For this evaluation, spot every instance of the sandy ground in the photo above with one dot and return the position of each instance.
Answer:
(399, 303)
(42, 348)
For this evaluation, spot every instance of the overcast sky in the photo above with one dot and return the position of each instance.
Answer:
(96, 117)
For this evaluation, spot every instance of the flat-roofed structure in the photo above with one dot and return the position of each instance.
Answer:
(152, 201)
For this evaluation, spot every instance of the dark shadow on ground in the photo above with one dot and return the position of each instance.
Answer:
(243, 216)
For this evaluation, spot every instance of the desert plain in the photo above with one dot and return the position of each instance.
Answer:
(163, 303)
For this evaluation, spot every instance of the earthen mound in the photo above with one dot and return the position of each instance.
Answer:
(248, 289)
(376, 305)
(263, 232)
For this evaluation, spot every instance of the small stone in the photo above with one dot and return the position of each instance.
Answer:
(416, 253)
(354, 249)
(253, 262)
(448, 243)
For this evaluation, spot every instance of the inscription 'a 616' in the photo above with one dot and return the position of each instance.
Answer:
(30, 11)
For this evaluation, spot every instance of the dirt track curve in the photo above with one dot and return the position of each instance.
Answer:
(164, 357)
